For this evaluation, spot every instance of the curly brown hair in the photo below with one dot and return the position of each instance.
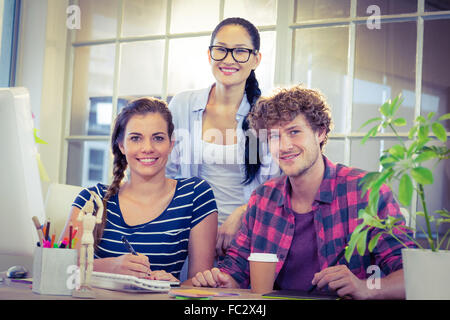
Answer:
(286, 104)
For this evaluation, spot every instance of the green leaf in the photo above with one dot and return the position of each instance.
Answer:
(412, 132)
(422, 175)
(405, 190)
(399, 122)
(397, 151)
(396, 103)
(385, 109)
(370, 121)
(385, 175)
(352, 242)
(361, 242)
(421, 119)
(371, 220)
(374, 197)
(420, 213)
(391, 221)
(443, 213)
(423, 132)
(439, 130)
(444, 117)
(386, 160)
(368, 180)
(373, 242)
(372, 132)
(349, 249)
(430, 115)
(425, 156)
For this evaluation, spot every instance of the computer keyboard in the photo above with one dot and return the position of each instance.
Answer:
(121, 282)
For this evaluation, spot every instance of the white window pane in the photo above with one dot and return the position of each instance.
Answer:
(436, 69)
(144, 17)
(386, 7)
(98, 19)
(334, 150)
(87, 163)
(266, 69)
(322, 9)
(365, 156)
(141, 68)
(188, 64)
(92, 84)
(194, 15)
(258, 12)
(436, 5)
(320, 62)
(384, 67)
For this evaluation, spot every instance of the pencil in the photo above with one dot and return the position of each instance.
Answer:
(333, 263)
(53, 241)
(38, 227)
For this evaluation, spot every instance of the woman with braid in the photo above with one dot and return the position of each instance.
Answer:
(165, 220)
(212, 137)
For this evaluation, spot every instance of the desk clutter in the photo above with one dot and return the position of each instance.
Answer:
(52, 260)
(199, 294)
(127, 283)
(50, 270)
(55, 265)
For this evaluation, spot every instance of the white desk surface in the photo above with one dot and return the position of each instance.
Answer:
(21, 291)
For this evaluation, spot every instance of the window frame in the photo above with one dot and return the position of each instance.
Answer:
(283, 74)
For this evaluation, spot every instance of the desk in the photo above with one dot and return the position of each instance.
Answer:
(20, 291)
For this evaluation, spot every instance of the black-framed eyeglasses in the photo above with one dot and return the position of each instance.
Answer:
(240, 55)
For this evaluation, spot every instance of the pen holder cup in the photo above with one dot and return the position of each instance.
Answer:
(51, 270)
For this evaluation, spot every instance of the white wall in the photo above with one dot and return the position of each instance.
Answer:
(41, 69)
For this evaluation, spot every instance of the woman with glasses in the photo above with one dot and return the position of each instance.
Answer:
(211, 128)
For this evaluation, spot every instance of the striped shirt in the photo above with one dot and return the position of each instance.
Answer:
(164, 240)
(269, 225)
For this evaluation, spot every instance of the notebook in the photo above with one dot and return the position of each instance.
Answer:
(300, 295)
(121, 282)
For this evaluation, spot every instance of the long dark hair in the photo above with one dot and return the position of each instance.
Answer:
(139, 106)
(253, 93)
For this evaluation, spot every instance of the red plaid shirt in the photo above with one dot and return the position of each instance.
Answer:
(268, 224)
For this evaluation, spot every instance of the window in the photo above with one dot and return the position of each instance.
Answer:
(131, 48)
(359, 66)
(9, 26)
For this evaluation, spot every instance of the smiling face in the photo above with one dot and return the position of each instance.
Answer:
(146, 145)
(295, 146)
(229, 72)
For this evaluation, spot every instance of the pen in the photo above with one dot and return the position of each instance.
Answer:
(37, 224)
(333, 263)
(70, 236)
(128, 246)
(47, 230)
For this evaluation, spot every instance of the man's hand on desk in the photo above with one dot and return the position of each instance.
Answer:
(161, 275)
(214, 278)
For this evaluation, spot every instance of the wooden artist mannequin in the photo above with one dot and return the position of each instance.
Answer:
(89, 221)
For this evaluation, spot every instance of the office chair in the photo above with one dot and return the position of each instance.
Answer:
(58, 205)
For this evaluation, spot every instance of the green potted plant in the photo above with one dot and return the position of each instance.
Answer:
(404, 163)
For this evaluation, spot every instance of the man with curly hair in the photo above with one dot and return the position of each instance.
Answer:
(306, 216)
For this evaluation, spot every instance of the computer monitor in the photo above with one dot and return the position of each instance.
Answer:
(20, 186)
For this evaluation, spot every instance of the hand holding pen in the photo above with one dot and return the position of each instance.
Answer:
(135, 264)
(332, 264)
